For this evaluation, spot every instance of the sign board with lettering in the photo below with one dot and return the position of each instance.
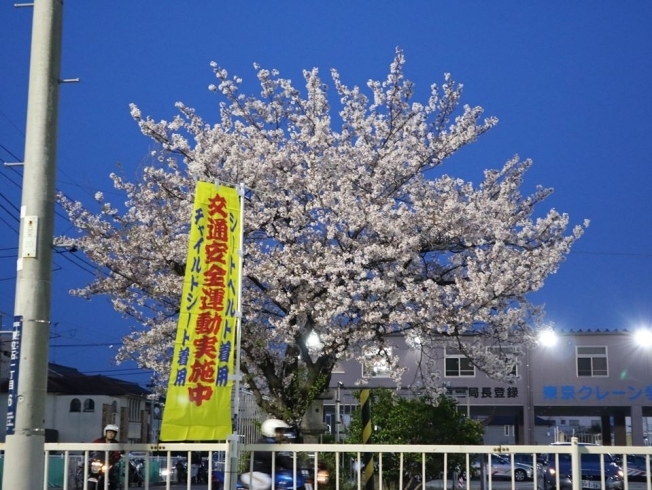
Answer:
(14, 363)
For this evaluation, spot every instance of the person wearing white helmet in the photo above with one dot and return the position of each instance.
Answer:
(274, 431)
(110, 436)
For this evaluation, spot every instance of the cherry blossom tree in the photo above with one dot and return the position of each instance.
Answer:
(352, 231)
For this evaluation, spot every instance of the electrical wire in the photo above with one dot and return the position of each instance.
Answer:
(7, 222)
(61, 254)
(12, 123)
(107, 344)
(10, 152)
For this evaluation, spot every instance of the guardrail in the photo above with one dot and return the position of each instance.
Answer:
(395, 467)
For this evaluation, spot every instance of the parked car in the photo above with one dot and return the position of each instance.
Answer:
(501, 467)
(527, 459)
(559, 465)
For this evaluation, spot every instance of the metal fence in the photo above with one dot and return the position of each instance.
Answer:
(392, 467)
(567, 435)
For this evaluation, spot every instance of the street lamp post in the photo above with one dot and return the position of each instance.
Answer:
(529, 403)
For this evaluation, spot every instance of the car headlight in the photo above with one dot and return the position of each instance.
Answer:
(322, 477)
(551, 471)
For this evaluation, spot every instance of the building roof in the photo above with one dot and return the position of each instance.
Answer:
(65, 380)
(576, 331)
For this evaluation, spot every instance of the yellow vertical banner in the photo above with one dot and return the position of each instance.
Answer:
(198, 401)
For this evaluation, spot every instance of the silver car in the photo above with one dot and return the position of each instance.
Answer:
(501, 467)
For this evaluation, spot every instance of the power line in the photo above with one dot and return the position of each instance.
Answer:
(624, 254)
(10, 179)
(116, 370)
(10, 213)
(11, 204)
(10, 152)
(7, 222)
(108, 344)
(61, 254)
(58, 213)
(85, 265)
(12, 123)
(133, 373)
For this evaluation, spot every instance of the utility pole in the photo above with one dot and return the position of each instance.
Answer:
(24, 450)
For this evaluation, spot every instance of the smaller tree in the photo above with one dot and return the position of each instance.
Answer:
(415, 420)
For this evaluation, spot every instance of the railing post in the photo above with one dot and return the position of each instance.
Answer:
(576, 466)
(231, 463)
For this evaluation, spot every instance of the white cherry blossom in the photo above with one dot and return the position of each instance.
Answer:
(345, 235)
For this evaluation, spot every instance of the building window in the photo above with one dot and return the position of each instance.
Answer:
(592, 361)
(134, 410)
(75, 405)
(457, 364)
(338, 368)
(508, 355)
(376, 364)
(89, 405)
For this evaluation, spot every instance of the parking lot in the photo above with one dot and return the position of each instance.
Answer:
(475, 485)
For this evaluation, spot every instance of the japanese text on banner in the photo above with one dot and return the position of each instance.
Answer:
(198, 404)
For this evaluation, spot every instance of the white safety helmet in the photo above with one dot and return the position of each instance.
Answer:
(112, 427)
(270, 426)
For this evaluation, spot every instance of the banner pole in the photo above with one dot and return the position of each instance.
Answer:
(234, 454)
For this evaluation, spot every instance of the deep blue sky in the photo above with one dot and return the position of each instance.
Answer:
(569, 81)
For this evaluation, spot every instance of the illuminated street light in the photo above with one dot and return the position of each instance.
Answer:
(548, 337)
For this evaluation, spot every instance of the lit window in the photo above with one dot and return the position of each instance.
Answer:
(592, 361)
(457, 364)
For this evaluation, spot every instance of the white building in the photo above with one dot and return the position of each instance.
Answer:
(78, 406)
